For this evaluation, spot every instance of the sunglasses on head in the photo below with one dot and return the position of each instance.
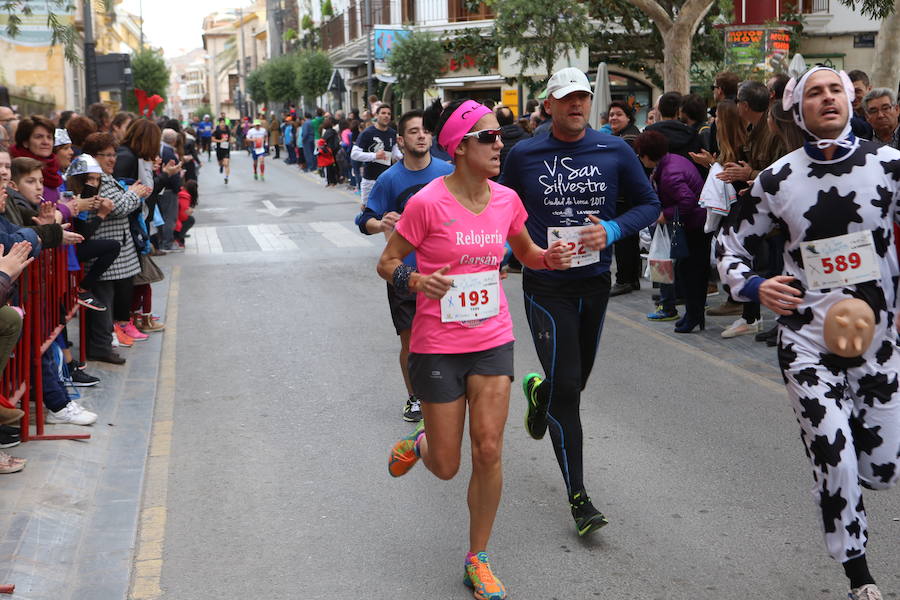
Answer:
(484, 136)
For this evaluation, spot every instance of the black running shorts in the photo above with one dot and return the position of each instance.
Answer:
(403, 308)
(442, 377)
(223, 154)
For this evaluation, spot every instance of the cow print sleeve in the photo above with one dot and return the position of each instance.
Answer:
(745, 228)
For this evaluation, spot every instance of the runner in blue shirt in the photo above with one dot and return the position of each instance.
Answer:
(205, 131)
(387, 200)
(569, 181)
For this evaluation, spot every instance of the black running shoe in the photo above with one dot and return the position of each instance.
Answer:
(9, 436)
(87, 300)
(587, 518)
(413, 411)
(82, 379)
(535, 410)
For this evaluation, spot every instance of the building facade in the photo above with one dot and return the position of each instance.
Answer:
(833, 34)
(236, 42)
(343, 36)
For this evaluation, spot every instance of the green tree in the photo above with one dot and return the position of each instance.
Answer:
(256, 83)
(416, 60)
(541, 31)
(874, 9)
(280, 81)
(313, 72)
(150, 73)
(885, 71)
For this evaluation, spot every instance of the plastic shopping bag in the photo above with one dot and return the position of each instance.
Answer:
(662, 267)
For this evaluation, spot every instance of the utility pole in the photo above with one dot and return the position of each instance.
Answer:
(141, 17)
(367, 7)
(91, 94)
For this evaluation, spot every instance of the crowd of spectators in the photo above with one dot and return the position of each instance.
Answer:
(114, 191)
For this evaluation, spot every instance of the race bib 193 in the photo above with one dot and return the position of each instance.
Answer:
(473, 296)
(838, 261)
(571, 236)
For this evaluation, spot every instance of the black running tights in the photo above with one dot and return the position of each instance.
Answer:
(566, 334)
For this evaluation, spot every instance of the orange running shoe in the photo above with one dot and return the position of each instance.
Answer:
(479, 577)
(124, 339)
(403, 455)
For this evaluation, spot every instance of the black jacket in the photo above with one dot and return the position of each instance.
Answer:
(682, 138)
(511, 135)
(19, 211)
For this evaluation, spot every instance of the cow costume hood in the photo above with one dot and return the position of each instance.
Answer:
(793, 101)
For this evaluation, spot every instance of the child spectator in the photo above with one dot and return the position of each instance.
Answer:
(325, 161)
(187, 200)
(24, 206)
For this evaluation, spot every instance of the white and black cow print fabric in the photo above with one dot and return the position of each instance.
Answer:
(848, 409)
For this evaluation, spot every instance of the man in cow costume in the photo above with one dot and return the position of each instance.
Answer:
(836, 200)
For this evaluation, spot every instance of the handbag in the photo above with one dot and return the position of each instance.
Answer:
(150, 271)
(679, 247)
(661, 265)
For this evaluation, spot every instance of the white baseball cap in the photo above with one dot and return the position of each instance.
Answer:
(568, 80)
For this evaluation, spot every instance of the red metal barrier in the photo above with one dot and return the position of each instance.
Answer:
(47, 293)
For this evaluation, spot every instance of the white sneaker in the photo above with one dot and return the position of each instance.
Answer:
(866, 592)
(741, 327)
(73, 414)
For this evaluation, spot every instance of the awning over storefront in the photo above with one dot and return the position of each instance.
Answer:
(467, 80)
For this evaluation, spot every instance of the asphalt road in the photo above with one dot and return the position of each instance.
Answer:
(288, 397)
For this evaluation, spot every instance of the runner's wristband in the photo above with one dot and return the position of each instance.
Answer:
(613, 232)
(544, 259)
(402, 274)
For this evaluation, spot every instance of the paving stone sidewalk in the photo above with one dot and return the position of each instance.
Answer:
(68, 521)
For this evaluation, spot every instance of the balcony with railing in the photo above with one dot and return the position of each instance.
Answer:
(812, 7)
(333, 33)
(381, 15)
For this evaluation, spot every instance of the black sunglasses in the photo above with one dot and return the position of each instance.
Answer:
(484, 136)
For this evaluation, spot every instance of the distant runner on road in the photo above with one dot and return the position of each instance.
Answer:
(257, 139)
(222, 138)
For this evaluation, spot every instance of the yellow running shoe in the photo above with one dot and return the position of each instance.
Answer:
(403, 454)
(479, 577)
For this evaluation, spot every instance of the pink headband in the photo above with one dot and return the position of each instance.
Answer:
(460, 122)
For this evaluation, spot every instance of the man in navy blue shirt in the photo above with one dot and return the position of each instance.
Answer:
(205, 131)
(569, 181)
(386, 202)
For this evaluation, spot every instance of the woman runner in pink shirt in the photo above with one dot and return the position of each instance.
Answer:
(461, 349)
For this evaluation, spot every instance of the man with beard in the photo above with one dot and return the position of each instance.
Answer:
(835, 199)
(385, 204)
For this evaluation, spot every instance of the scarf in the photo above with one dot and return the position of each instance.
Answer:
(50, 170)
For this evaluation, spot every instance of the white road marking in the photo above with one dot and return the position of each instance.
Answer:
(272, 210)
(203, 240)
(339, 235)
(270, 238)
